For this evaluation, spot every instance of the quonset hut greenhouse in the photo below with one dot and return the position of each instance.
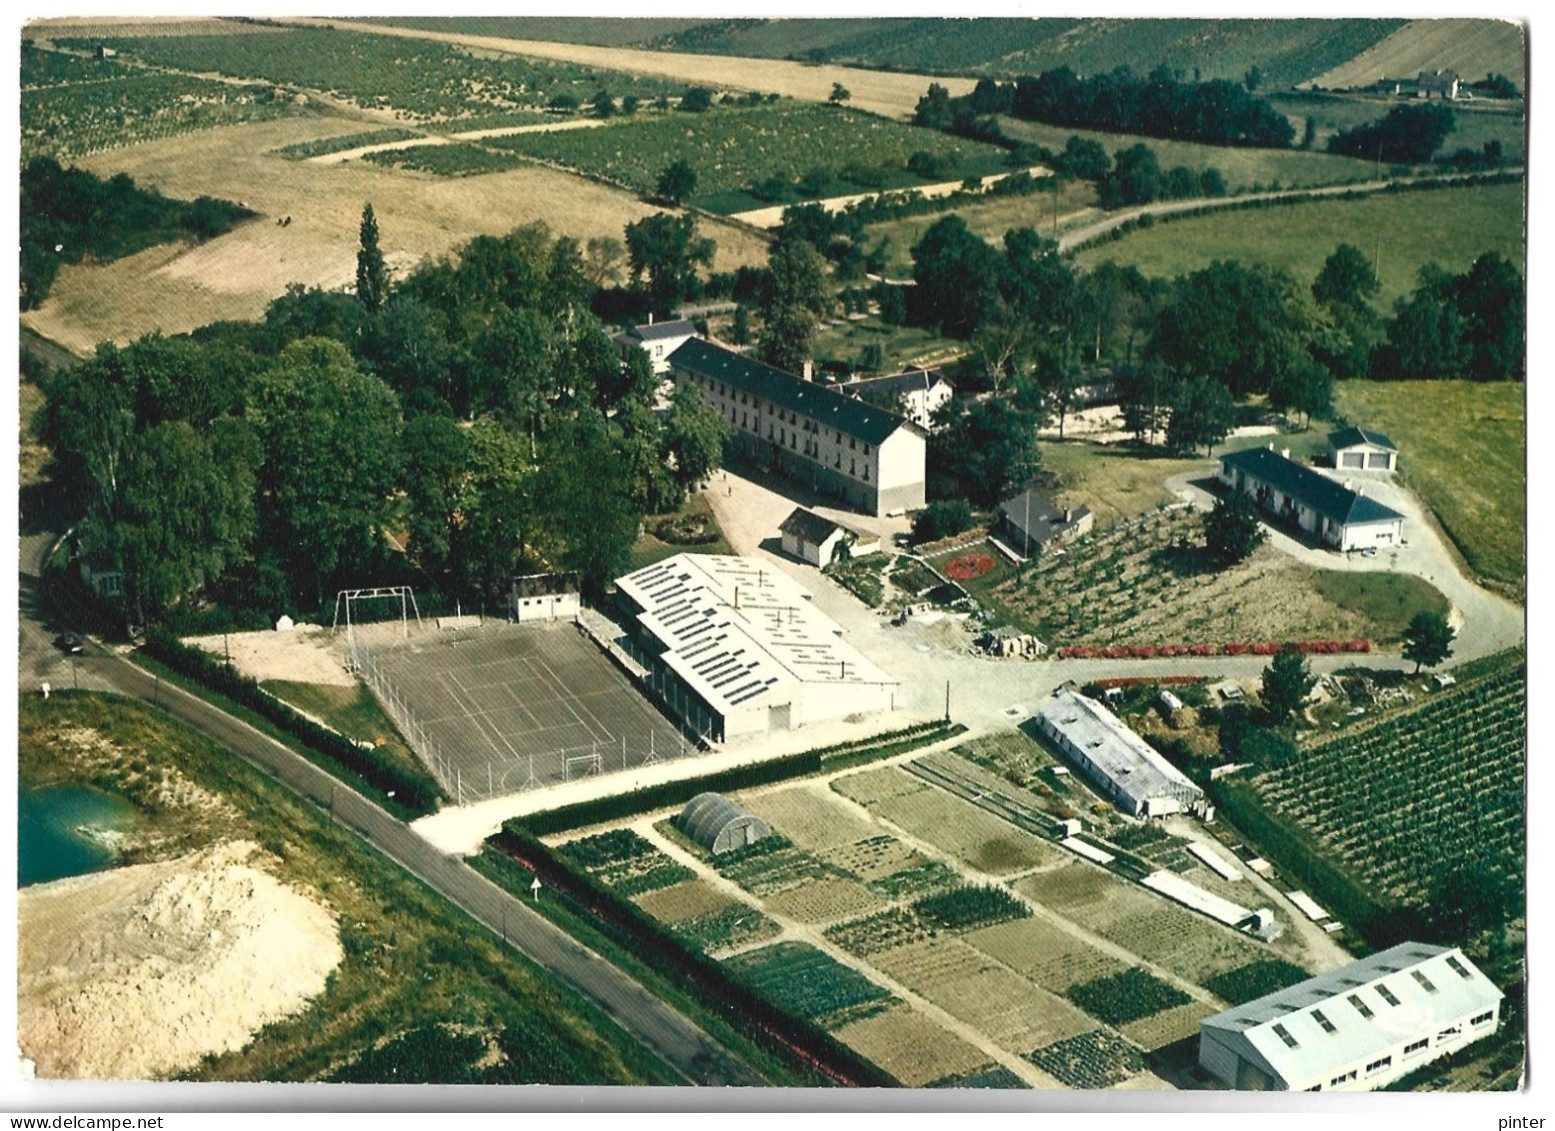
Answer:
(718, 824)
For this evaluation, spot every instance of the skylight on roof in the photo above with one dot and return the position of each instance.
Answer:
(1425, 983)
(1360, 1006)
(1328, 1026)
(1386, 994)
(1284, 1034)
(1458, 967)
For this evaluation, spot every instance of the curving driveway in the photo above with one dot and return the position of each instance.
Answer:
(1485, 622)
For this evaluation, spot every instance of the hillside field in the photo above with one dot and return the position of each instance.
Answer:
(1407, 230)
(1473, 48)
(1462, 447)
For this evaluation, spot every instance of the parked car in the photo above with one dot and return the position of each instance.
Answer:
(69, 642)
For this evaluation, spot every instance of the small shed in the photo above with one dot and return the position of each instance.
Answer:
(1360, 449)
(719, 825)
(816, 539)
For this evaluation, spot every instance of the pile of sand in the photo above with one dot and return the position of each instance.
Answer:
(139, 972)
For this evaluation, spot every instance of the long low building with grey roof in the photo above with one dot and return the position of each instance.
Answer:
(1356, 1028)
(1123, 766)
(848, 449)
(1337, 514)
(738, 650)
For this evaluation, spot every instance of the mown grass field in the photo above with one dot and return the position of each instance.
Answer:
(732, 148)
(411, 959)
(1243, 169)
(1404, 231)
(1463, 448)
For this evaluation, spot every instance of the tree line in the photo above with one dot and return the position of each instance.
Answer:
(1160, 104)
(68, 215)
(469, 422)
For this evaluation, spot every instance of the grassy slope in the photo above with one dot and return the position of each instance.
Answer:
(1450, 227)
(1243, 169)
(1474, 123)
(351, 710)
(1462, 446)
(411, 958)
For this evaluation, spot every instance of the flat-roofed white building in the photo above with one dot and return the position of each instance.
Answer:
(1124, 766)
(1356, 1028)
(738, 650)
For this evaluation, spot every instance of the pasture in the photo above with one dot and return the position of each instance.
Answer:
(1463, 446)
(1401, 231)
(175, 288)
(1471, 47)
(503, 708)
(734, 148)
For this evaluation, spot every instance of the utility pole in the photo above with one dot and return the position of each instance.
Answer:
(947, 700)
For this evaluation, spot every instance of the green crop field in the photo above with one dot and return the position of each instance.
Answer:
(1403, 231)
(1401, 800)
(124, 105)
(411, 959)
(808, 982)
(733, 148)
(418, 79)
(1462, 448)
(1245, 170)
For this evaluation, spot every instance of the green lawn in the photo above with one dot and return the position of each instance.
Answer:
(731, 148)
(901, 347)
(1404, 231)
(351, 710)
(1462, 446)
(695, 515)
(413, 963)
(1243, 169)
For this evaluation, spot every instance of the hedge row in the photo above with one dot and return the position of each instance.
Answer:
(1381, 924)
(413, 790)
(1140, 680)
(1261, 648)
(760, 1018)
(664, 795)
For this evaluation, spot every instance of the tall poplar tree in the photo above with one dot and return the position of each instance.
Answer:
(372, 277)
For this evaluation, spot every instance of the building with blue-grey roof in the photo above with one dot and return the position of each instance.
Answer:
(1356, 1028)
(848, 449)
(1337, 514)
(1361, 449)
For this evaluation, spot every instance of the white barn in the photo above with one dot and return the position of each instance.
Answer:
(1335, 513)
(816, 539)
(1360, 449)
(1356, 1028)
(1124, 766)
(736, 648)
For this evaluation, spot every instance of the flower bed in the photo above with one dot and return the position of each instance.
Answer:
(1261, 648)
(968, 566)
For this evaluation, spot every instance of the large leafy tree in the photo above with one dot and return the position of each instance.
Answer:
(984, 453)
(1286, 683)
(372, 275)
(436, 451)
(588, 516)
(1201, 414)
(498, 510)
(1232, 530)
(957, 275)
(1243, 326)
(693, 438)
(1406, 135)
(1350, 330)
(792, 304)
(664, 252)
(330, 435)
(1428, 639)
(1492, 304)
(676, 182)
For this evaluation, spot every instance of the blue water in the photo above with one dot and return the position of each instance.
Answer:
(51, 844)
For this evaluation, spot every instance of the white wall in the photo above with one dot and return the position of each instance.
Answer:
(1380, 534)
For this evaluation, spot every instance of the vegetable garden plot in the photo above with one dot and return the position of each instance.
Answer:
(870, 787)
(966, 832)
(1120, 998)
(808, 815)
(1046, 954)
(1095, 1059)
(733, 925)
(1253, 981)
(872, 934)
(988, 1076)
(626, 862)
(805, 980)
(911, 1047)
(774, 870)
(1167, 1026)
(875, 857)
(690, 900)
(824, 899)
(1420, 791)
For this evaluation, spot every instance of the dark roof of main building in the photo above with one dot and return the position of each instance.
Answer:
(1333, 501)
(653, 331)
(817, 402)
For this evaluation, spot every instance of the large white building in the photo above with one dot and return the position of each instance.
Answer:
(1335, 513)
(918, 394)
(1123, 766)
(849, 449)
(737, 649)
(1356, 1028)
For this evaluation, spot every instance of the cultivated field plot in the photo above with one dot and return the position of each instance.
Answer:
(811, 983)
(1050, 956)
(911, 1047)
(734, 149)
(808, 815)
(1405, 799)
(1011, 1011)
(504, 708)
(958, 827)
(796, 883)
(1185, 944)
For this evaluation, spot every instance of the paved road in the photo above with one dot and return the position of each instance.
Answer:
(681, 1044)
